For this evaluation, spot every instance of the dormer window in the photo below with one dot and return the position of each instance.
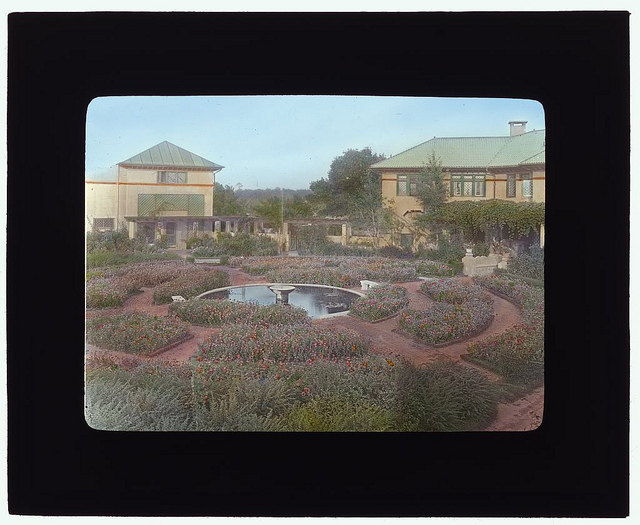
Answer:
(172, 177)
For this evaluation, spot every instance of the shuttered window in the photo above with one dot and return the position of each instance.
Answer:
(527, 185)
(511, 185)
(103, 224)
(402, 185)
(172, 177)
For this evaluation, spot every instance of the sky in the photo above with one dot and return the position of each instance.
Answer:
(286, 141)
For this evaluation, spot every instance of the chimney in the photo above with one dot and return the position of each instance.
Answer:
(517, 127)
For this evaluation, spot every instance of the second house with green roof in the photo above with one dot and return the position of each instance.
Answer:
(510, 168)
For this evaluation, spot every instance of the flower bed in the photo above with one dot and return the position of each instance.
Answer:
(512, 288)
(112, 286)
(379, 303)
(190, 285)
(135, 333)
(446, 323)
(219, 312)
(327, 276)
(453, 292)
(518, 353)
(104, 292)
(460, 311)
(283, 343)
(136, 276)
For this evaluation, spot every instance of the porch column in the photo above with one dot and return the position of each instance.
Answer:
(346, 234)
(216, 226)
(228, 227)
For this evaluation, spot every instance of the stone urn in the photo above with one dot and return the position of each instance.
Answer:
(282, 292)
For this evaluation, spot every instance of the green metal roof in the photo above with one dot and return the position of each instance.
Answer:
(472, 152)
(170, 155)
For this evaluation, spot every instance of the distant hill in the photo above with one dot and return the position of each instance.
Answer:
(251, 196)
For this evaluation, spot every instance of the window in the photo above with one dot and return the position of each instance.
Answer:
(103, 224)
(402, 185)
(527, 185)
(172, 177)
(511, 185)
(468, 186)
(409, 185)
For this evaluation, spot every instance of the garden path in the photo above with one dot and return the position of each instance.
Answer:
(523, 414)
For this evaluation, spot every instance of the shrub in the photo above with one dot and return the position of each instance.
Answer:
(190, 285)
(238, 244)
(335, 414)
(143, 398)
(443, 397)
(528, 265)
(435, 268)
(448, 252)
(100, 259)
(480, 249)
(135, 333)
(380, 302)
(194, 242)
(217, 312)
(395, 252)
(114, 240)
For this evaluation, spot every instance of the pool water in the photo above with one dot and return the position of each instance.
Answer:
(316, 300)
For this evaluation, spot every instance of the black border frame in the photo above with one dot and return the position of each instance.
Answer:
(575, 63)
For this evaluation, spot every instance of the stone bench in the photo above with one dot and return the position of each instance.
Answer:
(207, 260)
(366, 284)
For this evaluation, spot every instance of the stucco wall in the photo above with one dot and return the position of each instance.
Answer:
(134, 182)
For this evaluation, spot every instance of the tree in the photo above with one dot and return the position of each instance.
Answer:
(433, 195)
(226, 201)
(273, 208)
(348, 182)
(433, 192)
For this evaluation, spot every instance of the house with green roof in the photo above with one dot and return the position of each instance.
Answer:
(510, 167)
(163, 191)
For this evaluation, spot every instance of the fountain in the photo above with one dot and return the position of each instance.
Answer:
(282, 292)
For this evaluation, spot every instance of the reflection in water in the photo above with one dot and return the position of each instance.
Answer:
(315, 300)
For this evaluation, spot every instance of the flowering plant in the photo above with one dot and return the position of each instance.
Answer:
(453, 291)
(135, 333)
(380, 302)
(190, 285)
(445, 323)
(217, 312)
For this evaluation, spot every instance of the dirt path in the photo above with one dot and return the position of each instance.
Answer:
(523, 414)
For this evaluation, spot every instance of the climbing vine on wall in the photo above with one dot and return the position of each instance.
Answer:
(520, 218)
